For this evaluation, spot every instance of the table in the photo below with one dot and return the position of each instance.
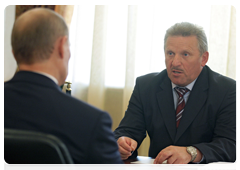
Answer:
(130, 166)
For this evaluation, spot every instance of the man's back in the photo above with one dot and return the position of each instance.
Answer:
(34, 102)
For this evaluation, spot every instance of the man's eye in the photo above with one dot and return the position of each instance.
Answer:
(186, 54)
(170, 53)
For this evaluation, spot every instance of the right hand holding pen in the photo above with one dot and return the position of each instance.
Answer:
(126, 146)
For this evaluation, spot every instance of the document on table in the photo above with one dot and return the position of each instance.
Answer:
(220, 165)
(150, 162)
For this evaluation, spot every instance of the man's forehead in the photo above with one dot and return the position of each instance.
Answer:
(180, 37)
(183, 43)
(191, 40)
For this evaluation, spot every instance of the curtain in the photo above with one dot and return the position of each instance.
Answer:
(66, 11)
(222, 40)
(112, 45)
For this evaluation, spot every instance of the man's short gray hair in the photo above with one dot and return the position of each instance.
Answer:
(188, 29)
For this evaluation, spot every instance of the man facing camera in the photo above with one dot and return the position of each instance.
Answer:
(34, 101)
(188, 110)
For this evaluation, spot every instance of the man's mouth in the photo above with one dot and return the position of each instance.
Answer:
(176, 71)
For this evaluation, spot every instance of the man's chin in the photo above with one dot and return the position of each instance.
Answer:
(178, 83)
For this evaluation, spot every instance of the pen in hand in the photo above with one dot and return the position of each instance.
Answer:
(132, 150)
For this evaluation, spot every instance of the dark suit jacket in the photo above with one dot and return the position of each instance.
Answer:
(34, 102)
(208, 122)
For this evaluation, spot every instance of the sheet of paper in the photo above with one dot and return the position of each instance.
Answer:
(220, 165)
(150, 162)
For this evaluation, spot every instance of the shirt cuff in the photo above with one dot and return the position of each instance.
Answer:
(200, 161)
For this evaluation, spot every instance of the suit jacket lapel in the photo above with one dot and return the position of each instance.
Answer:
(166, 105)
(195, 102)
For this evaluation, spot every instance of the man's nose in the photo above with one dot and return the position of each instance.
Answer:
(176, 60)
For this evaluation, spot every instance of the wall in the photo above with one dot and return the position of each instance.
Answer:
(9, 61)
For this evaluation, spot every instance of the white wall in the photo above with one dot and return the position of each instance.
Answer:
(9, 61)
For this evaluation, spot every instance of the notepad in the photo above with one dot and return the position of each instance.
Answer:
(219, 165)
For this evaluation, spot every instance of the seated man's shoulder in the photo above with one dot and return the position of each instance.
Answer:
(77, 106)
(221, 80)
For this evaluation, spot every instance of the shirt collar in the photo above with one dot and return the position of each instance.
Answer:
(189, 86)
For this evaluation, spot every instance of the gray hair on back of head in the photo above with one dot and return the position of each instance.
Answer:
(188, 29)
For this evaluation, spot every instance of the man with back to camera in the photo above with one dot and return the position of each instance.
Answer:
(188, 110)
(34, 101)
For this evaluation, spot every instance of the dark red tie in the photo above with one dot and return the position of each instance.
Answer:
(181, 103)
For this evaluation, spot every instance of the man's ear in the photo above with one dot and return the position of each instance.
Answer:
(204, 58)
(61, 45)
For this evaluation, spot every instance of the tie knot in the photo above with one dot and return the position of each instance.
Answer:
(181, 90)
